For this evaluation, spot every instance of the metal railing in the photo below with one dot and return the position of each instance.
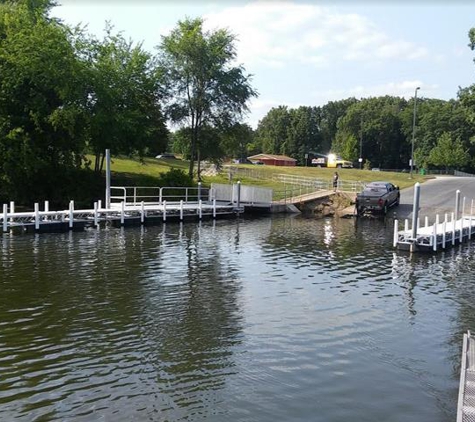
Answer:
(319, 184)
(134, 195)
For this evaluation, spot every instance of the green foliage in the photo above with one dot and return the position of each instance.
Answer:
(123, 101)
(42, 121)
(204, 87)
(175, 178)
(448, 153)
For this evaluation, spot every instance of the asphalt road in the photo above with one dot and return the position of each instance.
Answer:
(437, 197)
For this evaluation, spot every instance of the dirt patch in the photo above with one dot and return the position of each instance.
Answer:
(327, 206)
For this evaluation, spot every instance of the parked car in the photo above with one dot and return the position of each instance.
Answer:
(166, 155)
(377, 197)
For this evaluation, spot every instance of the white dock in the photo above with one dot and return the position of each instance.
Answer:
(441, 234)
(133, 206)
(466, 400)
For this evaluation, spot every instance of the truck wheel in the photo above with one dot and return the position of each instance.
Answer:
(338, 166)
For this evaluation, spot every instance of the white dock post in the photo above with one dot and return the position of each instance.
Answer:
(12, 207)
(434, 245)
(406, 225)
(181, 209)
(238, 193)
(99, 204)
(415, 209)
(199, 191)
(200, 208)
(418, 223)
(426, 221)
(453, 229)
(37, 216)
(444, 231)
(463, 206)
(71, 214)
(46, 206)
(164, 210)
(142, 212)
(122, 213)
(5, 221)
(214, 208)
(395, 237)
(457, 204)
(108, 178)
(96, 221)
(471, 214)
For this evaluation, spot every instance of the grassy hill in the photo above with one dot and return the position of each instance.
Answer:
(128, 171)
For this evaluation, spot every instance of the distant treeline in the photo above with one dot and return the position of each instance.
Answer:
(380, 129)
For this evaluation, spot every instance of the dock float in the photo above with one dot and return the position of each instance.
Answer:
(466, 399)
(441, 234)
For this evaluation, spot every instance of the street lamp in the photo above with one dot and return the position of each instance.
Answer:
(414, 128)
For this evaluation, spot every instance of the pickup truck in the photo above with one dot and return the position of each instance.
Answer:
(377, 197)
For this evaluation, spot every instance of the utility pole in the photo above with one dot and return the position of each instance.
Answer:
(414, 129)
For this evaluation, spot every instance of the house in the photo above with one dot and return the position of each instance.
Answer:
(272, 160)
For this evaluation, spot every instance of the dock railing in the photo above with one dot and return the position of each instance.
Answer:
(135, 195)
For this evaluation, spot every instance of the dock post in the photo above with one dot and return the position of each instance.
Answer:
(238, 193)
(46, 206)
(200, 208)
(457, 204)
(406, 225)
(415, 209)
(444, 231)
(37, 216)
(12, 207)
(471, 215)
(426, 221)
(434, 245)
(395, 237)
(214, 207)
(142, 212)
(99, 204)
(164, 210)
(71, 214)
(5, 221)
(199, 191)
(108, 178)
(181, 210)
(122, 213)
(453, 229)
(96, 221)
(418, 223)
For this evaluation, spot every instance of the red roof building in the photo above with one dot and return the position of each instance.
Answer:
(273, 160)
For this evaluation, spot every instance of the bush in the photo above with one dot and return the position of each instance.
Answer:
(175, 178)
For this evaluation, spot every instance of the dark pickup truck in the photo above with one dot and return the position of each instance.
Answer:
(377, 197)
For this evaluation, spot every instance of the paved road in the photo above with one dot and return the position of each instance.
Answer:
(437, 196)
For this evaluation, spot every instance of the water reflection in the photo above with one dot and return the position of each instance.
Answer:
(263, 319)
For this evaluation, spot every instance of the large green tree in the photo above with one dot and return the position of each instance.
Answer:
(204, 86)
(123, 101)
(448, 153)
(42, 120)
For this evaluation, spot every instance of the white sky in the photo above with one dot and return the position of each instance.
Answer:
(311, 52)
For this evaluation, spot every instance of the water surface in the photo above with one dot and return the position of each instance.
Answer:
(272, 319)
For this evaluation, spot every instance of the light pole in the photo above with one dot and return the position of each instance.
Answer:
(414, 128)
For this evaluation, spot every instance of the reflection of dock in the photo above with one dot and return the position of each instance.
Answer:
(466, 401)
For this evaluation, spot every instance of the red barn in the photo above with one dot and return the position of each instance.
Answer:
(272, 160)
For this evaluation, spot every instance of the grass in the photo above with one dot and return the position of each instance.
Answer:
(145, 173)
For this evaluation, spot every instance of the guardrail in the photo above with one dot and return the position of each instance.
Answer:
(319, 184)
(156, 195)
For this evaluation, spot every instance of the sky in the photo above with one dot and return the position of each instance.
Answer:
(307, 53)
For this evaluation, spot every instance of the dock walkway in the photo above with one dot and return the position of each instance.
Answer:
(466, 400)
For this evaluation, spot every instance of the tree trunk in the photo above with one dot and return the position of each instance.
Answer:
(194, 137)
(199, 164)
(103, 157)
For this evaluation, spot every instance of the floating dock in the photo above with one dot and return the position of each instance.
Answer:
(441, 234)
(466, 400)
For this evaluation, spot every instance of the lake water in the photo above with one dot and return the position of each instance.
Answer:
(268, 319)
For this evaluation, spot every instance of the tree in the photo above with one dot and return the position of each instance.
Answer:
(272, 130)
(448, 153)
(42, 121)
(203, 86)
(123, 101)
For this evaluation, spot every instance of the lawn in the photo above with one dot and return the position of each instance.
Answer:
(145, 172)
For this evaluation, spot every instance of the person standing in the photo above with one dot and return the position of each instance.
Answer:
(335, 181)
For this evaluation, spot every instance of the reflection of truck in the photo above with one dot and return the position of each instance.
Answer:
(377, 197)
(331, 161)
